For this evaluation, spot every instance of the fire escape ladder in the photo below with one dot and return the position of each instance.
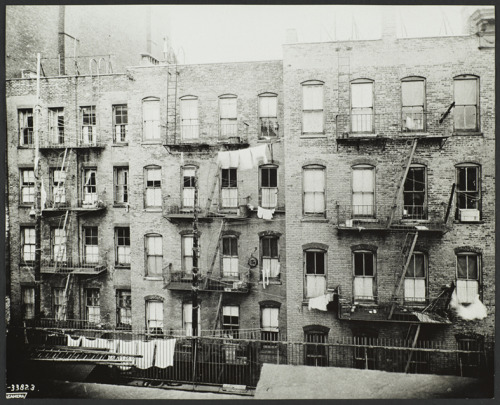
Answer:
(414, 330)
(217, 314)
(58, 189)
(216, 251)
(401, 184)
(66, 293)
(61, 251)
(212, 190)
(407, 252)
(172, 103)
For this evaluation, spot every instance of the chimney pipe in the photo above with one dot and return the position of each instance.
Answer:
(61, 48)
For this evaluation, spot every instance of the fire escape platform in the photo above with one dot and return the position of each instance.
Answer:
(65, 269)
(378, 226)
(400, 316)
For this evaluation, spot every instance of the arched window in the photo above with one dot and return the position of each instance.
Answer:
(228, 115)
(268, 186)
(314, 190)
(154, 254)
(415, 193)
(315, 272)
(154, 316)
(362, 106)
(468, 190)
(152, 186)
(151, 119)
(413, 104)
(268, 115)
(312, 107)
(466, 96)
(189, 118)
(364, 269)
(416, 279)
(363, 191)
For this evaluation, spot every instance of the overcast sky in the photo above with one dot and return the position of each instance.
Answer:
(231, 33)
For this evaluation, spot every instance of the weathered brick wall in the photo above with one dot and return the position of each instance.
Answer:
(386, 63)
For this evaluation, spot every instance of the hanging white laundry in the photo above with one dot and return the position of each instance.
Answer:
(127, 347)
(265, 213)
(146, 350)
(234, 158)
(319, 302)
(475, 310)
(223, 160)
(246, 159)
(266, 273)
(260, 154)
(165, 349)
(74, 342)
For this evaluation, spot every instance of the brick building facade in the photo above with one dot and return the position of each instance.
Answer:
(382, 151)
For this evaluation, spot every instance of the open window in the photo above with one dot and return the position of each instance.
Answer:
(415, 193)
(315, 272)
(92, 305)
(88, 117)
(56, 126)
(413, 104)
(364, 275)
(124, 309)
(268, 115)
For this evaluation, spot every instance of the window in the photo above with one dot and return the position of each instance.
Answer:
(269, 323)
(90, 245)
(231, 320)
(362, 106)
(188, 186)
(122, 243)
(189, 118)
(469, 364)
(468, 188)
(187, 254)
(28, 244)
(312, 107)
(268, 187)
(315, 350)
(92, 305)
(230, 260)
(414, 194)
(58, 303)
(314, 190)
(89, 187)
(27, 177)
(120, 180)
(88, 115)
(58, 186)
(152, 179)
(151, 119)
(120, 123)
(413, 104)
(229, 188)
(187, 319)
(466, 89)
(56, 125)
(315, 273)
(28, 302)
(364, 274)
(154, 255)
(270, 256)
(228, 116)
(415, 279)
(124, 308)
(363, 191)
(468, 273)
(154, 317)
(26, 127)
(268, 115)
(59, 244)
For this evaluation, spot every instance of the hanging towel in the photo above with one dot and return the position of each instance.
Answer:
(475, 310)
(127, 347)
(265, 213)
(266, 273)
(223, 160)
(74, 342)
(319, 302)
(246, 159)
(165, 349)
(89, 342)
(234, 158)
(260, 154)
(147, 350)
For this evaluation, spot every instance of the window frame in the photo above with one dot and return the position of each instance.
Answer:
(371, 126)
(94, 298)
(271, 258)
(116, 177)
(53, 244)
(315, 274)
(56, 124)
(477, 126)
(310, 111)
(93, 236)
(232, 184)
(157, 257)
(87, 188)
(88, 136)
(56, 304)
(268, 168)
(118, 238)
(24, 244)
(423, 106)
(123, 303)
(192, 180)
(25, 305)
(469, 364)
(268, 124)
(147, 170)
(228, 126)
(411, 300)
(315, 347)
(151, 132)
(477, 280)
(23, 120)
(372, 169)
(315, 213)
(270, 333)
(157, 330)
(29, 185)
(476, 194)
(189, 332)
(58, 193)
(191, 130)
(231, 328)
(120, 111)
(185, 271)
(364, 252)
(231, 256)
(413, 192)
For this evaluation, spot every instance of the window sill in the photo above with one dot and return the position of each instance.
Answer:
(363, 135)
(25, 146)
(155, 142)
(153, 278)
(314, 219)
(118, 144)
(467, 222)
(270, 139)
(153, 209)
(313, 135)
(467, 133)
(272, 282)
(30, 205)
(122, 266)
(120, 205)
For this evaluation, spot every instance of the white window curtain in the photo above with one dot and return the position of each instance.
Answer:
(229, 197)
(89, 187)
(362, 192)
(415, 289)
(270, 319)
(153, 188)
(154, 314)
(230, 266)
(268, 106)
(154, 253)
(314, 190)
(271, 266)
(363, 287)
(151, 120)
(269, 197)
(362, 107)
(189, 119)
(187, 318)
(315, 285)
(467, 291)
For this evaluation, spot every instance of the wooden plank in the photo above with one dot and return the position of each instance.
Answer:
(450, 202)
(413, 347)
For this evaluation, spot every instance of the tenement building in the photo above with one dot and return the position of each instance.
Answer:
(346, 191)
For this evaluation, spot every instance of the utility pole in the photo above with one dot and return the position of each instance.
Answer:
(38, 208)
(195, 284)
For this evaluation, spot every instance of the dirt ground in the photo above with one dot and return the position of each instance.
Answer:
(302, 382)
